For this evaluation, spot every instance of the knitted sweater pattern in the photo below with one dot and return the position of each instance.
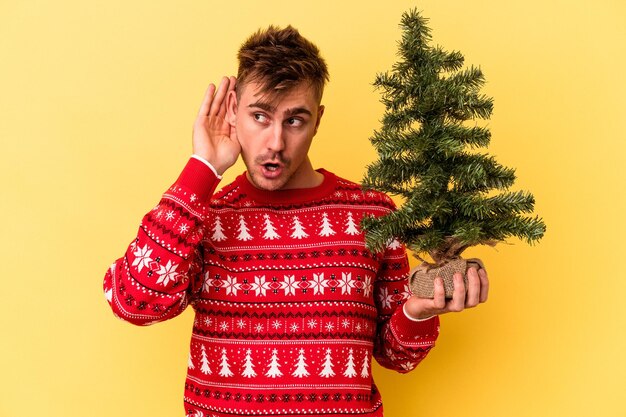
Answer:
(290, 307)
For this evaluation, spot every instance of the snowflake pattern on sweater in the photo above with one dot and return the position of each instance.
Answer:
(290, 306)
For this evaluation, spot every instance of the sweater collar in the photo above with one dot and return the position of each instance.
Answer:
(293, 195)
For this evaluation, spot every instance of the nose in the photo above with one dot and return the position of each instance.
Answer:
(276, 141)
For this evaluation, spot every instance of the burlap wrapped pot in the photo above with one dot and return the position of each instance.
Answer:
(422, 277)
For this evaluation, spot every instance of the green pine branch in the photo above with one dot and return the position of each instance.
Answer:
(427, 154)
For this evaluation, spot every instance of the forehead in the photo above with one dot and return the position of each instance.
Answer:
(302, 95)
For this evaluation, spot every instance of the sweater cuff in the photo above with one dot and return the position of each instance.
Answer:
(198, 178)
(408, 316)
(207, 163)
(414, 333)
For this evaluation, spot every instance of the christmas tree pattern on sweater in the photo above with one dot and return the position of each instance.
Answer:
(290, 305)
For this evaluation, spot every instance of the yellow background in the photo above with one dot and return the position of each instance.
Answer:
(97, 99)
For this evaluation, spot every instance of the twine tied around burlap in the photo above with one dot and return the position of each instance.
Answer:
(422, 277)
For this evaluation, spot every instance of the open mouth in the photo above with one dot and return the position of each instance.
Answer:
(271, 166)
(272, 170)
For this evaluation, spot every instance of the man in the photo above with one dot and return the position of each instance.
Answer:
(290, 306)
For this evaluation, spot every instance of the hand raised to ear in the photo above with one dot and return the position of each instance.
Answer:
(214, 139)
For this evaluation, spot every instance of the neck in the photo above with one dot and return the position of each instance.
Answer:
(304, 177)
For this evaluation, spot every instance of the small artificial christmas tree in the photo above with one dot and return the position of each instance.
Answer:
(426, 156)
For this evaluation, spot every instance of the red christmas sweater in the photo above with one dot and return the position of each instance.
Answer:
(289, 305)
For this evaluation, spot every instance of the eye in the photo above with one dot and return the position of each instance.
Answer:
(294, 122)
(260, 117)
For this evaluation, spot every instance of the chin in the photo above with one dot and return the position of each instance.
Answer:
(268, 185)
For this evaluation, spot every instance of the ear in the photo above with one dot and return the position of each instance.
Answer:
(231, 108)
(320, 113)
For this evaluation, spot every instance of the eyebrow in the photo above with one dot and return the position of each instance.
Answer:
(263, 106)
(287, 113)
(297, 110)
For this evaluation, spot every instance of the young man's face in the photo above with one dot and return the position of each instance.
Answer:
(275, 136)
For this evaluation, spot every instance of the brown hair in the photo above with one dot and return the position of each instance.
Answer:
(280, 59)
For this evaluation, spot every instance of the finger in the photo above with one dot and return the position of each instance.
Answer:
(458, 295)
(473, 288)
(232, 83)
(206, 101)
(439, 294)
(218, 100)
(484, 285)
